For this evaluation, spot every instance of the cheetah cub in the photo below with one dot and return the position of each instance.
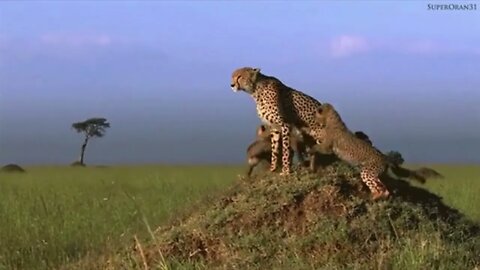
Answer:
(333, 136)
(260, 150)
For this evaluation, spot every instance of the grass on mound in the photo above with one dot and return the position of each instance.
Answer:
(307, 222)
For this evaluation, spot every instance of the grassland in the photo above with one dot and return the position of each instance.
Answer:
(53, 216)
(460, 188)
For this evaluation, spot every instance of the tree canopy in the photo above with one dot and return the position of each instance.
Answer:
(93, 127)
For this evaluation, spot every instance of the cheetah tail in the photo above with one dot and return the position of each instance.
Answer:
(428, 173)
(419, 175)
(406, 173)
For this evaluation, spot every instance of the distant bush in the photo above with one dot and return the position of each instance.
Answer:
(12, 168)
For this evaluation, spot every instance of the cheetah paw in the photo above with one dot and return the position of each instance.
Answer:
(380, 195)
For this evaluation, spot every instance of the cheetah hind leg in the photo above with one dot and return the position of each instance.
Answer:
(286, 156)
(377, 188)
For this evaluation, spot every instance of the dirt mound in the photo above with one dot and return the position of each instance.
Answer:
(308, 221)
(12, 168)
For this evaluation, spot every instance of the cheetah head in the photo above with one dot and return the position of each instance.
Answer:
(321, 115)
(327, 116)
(244, 79)
(263, 131)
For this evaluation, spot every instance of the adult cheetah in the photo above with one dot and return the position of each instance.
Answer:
(279, 106)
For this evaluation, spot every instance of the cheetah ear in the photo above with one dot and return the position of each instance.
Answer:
(256, 70)
(319, 111)
(261, 130)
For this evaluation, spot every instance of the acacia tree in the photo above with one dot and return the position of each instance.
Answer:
(91, 128)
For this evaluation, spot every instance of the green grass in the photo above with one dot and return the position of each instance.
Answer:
(53, 216)
(460, 188)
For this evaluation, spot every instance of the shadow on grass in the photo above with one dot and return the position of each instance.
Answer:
(431, 204)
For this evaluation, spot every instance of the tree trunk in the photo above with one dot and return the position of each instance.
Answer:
(82, 153)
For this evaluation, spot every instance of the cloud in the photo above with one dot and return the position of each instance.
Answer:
(76, 40)
(346, 45)
(56, 45)
(349, 45)
(67, 46)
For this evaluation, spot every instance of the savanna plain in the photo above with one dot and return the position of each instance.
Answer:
(61, 217)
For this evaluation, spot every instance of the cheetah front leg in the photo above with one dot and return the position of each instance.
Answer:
(284, 136)
(286, 153)
(313, 159)
(321, 147)
(275, 141)
(370, 177)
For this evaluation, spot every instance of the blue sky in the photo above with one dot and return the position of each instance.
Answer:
(160, 72)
